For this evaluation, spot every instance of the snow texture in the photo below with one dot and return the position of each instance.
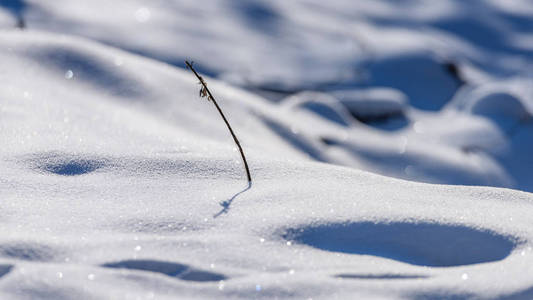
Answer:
(389, 144)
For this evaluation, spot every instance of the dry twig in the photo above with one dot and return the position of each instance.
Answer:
(205, 93)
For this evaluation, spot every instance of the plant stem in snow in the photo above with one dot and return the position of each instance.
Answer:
(205, 93)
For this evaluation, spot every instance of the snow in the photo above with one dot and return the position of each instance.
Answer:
(374, 102)
(389, 145)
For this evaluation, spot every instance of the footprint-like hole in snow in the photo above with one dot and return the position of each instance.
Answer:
(423, 244)
(180, 271)
(66, 164)
(73, 167)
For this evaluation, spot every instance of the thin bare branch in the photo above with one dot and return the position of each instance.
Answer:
(205, 93)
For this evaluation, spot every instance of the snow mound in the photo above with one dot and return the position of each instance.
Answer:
(505, 103)
(320, 104)
(373, 103)
(383, 108)
(119, 182)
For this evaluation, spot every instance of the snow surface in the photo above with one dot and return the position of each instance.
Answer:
(119, 182)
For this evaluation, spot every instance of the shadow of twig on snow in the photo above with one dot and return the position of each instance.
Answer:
(226, 204)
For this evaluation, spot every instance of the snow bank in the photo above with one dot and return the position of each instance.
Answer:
(428, 53)
(133, 189)
(119, 182)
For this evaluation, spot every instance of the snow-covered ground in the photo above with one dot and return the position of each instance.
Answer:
(119, 182)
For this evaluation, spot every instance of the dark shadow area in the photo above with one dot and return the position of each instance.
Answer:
(65, 164)
(454, 70)
(5, 269)
(259, 16)
(16, 8)
(380, 276)
(442, 295)
(480, 34)
(180, 271)
(329, 141)
(389, 122)
(428, 82)
(503, 109)
(423, 244)
(74, 167)
(227, 204)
